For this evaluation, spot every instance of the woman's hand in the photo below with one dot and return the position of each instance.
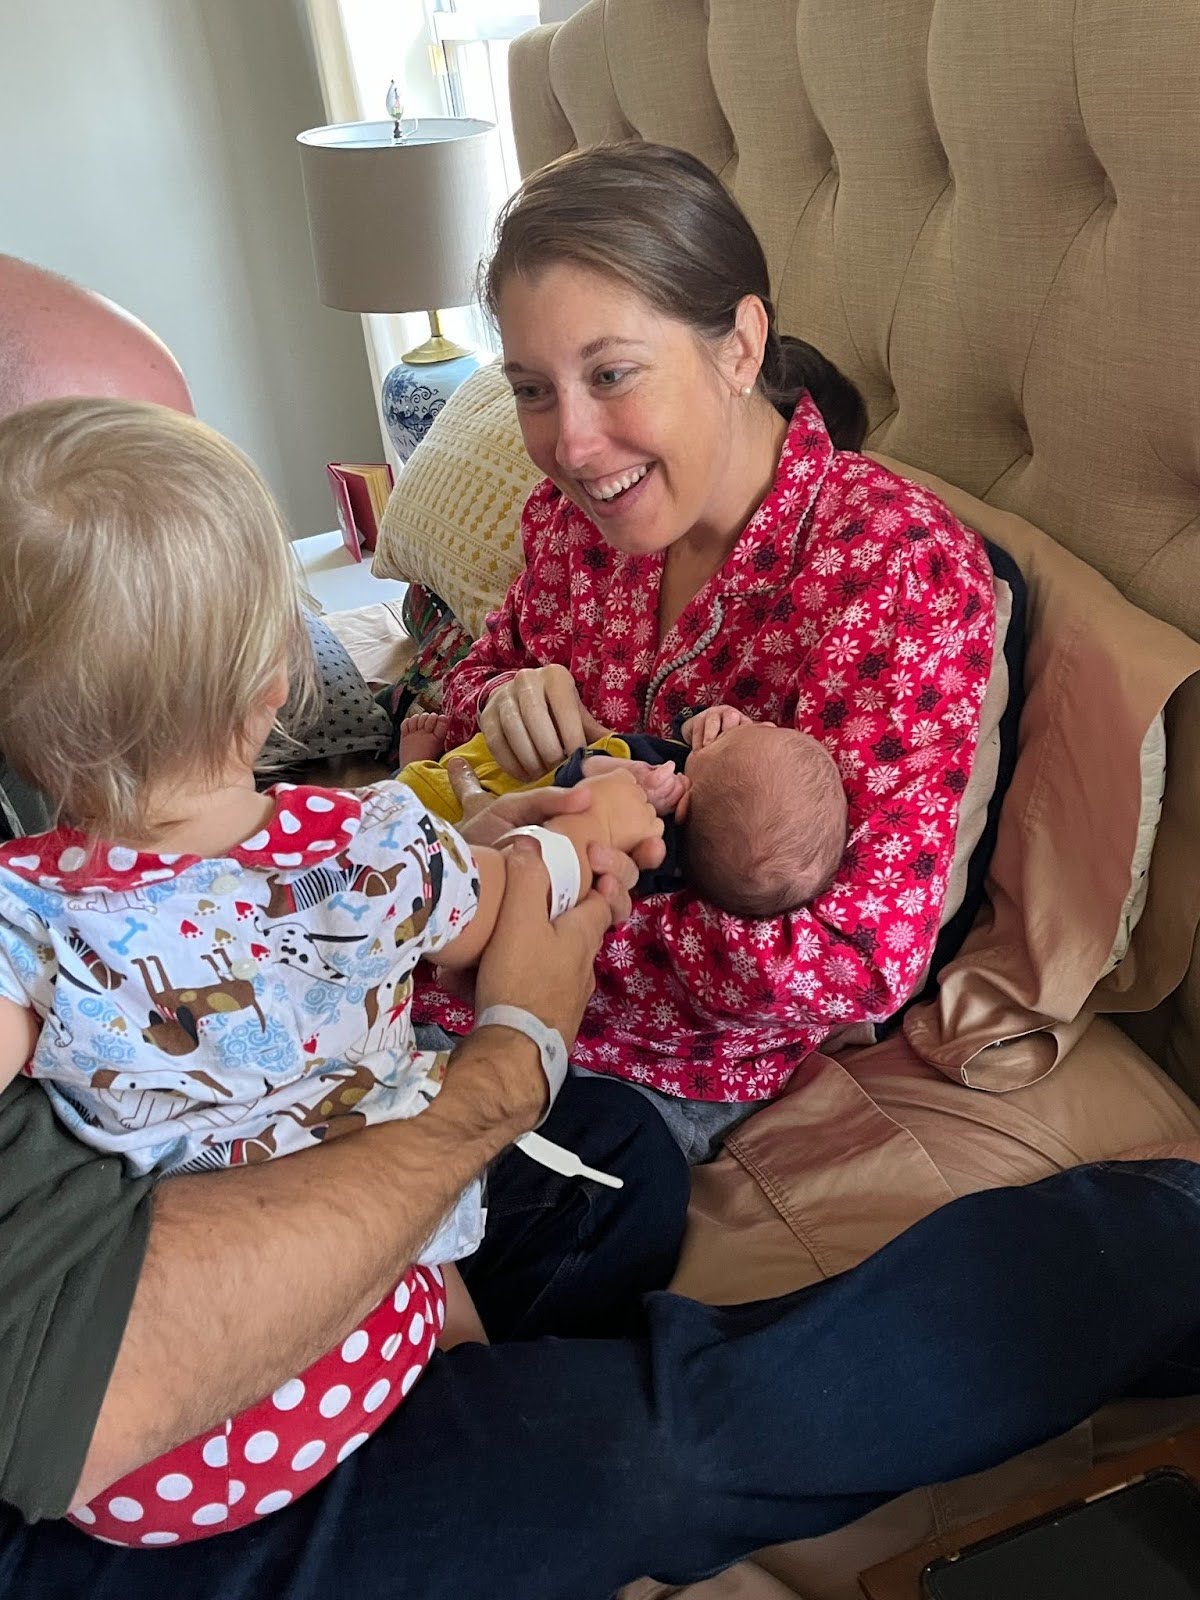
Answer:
(536, 720)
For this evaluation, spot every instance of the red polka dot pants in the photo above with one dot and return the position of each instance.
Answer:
(263, 1459)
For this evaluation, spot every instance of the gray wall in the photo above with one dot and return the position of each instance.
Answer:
(150, 154)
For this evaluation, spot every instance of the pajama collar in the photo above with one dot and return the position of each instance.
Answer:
(308, 825)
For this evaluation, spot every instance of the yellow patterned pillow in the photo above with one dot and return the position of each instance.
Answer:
(453, 521)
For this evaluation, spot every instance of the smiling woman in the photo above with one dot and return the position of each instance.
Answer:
(706, 534)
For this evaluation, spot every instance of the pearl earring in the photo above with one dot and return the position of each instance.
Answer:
(747, 391)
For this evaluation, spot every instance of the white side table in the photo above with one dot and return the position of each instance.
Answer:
(338, 581)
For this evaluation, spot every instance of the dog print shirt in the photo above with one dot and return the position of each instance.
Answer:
(200, 1013)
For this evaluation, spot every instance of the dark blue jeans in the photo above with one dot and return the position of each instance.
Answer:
(557, 1469)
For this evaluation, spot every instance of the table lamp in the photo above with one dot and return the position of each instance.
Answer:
(399, 216)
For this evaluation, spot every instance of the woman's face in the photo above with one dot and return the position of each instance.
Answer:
(629, 412)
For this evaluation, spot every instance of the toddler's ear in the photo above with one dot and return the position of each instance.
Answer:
(276, 693)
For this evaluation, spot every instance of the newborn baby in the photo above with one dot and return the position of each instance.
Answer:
(755, 814)
(759, 812)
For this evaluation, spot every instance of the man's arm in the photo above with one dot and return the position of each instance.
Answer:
(251, 1275)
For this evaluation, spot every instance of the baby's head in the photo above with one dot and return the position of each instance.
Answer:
(150, 602)
(765, 818)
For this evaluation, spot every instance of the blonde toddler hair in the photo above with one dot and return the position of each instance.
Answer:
(149, 596)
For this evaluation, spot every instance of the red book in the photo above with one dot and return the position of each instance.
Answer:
(360, 493)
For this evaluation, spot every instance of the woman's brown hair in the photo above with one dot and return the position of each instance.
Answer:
(659, 221)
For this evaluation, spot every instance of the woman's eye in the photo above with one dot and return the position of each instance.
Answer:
(527, 394)
(609, 377)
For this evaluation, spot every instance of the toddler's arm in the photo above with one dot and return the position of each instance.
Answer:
(664, 785)
(19, 1029)
(619, 816)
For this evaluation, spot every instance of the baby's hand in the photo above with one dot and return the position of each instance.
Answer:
(708, 725)
(663, 786)
(620, 802)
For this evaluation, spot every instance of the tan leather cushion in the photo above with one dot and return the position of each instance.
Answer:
(453, 519)
(1098, 673)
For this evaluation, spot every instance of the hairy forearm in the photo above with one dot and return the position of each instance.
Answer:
(251, 1275)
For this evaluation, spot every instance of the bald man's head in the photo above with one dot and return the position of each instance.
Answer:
(57, 339)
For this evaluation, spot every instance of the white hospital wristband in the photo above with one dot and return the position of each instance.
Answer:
(551, 1049)
(561, 863)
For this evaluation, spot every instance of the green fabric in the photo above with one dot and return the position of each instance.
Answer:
(73, 1229)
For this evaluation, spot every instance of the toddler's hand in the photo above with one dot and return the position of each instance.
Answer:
(620, 803)
(708, 725)
(663, 786)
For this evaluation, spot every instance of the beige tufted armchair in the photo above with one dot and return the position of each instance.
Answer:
(987, 212)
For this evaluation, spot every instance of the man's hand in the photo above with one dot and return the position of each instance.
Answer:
(541, 966)
(486, 819)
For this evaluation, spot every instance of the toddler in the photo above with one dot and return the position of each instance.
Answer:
(200, 974)
(755, 814)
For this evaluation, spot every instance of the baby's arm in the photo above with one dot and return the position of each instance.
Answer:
(19, 1029)
(708, 725)
(620, 816)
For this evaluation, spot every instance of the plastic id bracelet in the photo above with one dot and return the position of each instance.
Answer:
(553, 1055)
(561, 864)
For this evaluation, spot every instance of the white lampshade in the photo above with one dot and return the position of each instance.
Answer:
(398, 225)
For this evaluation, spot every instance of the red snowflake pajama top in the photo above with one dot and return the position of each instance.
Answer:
(854, 606)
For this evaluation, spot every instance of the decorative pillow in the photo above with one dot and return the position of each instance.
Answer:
(453, 520)
(347, 720)
(22, 809)
(992, 772)
(1067, 873)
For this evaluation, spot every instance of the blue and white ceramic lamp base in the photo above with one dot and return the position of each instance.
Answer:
(413, 396)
